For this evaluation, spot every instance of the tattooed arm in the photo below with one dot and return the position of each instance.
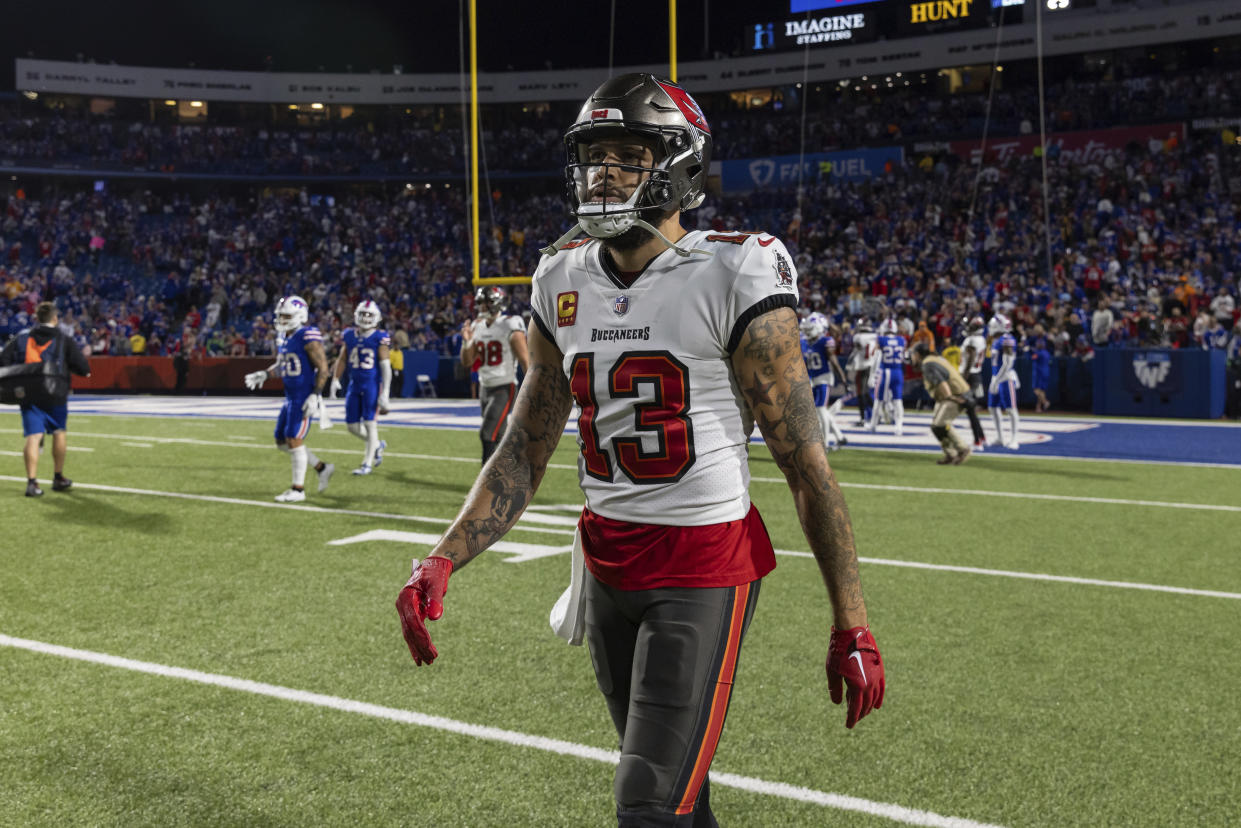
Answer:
(769, 371)
(510, 478)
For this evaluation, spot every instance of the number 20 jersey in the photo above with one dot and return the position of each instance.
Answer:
(664, 429)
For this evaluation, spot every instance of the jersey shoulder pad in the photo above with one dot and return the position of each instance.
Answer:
(310, 333)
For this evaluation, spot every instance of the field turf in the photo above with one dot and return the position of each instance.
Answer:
(1013, 701)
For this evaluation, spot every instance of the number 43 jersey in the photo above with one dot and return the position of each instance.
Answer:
(663, 427)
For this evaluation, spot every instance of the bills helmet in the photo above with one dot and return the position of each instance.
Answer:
(366, 315)
(999, 324)
(291, 313)
(655, 114)
(490, 301)
(888, 327)
(814, 327)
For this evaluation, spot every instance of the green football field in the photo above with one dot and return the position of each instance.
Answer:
(177, 649)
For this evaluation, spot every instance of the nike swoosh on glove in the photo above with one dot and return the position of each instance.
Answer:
(853, 659)
(420, 599)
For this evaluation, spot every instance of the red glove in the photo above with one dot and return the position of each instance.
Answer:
(422, 598)
(853, 656)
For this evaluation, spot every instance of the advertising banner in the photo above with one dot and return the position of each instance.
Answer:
(782, 170)
(1085, 147)
(921, 17)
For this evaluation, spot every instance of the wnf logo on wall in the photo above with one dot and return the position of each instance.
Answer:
(1152, 369)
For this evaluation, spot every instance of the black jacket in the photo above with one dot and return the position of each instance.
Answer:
(41, 336)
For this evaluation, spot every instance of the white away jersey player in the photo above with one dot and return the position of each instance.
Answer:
(979, 343)
(663, 430)
(499, 365)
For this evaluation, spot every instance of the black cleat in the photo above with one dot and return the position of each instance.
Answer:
(33, 490)
(62, 484)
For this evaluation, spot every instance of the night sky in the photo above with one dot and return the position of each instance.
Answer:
(304, 35)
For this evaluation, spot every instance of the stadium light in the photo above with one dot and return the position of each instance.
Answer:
(196, 104)
(316, 106)
(170, 103)
(34, 96)
(293, 107)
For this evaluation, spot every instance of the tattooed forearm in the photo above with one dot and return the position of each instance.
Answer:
(779, 393)
(510, 478)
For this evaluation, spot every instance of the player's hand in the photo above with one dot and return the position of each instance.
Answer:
(334, 388)
(385, 405)
(312, 406)
(421, 598)
(255, 380)
(853, 659)
(994, 387)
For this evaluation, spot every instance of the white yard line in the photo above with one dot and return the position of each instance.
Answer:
(300, 507)
(1210, 507)
(1031, 576)
(1112, 501)
(896, 813)
(559, 528)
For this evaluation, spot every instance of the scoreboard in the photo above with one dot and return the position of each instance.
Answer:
(824, 23)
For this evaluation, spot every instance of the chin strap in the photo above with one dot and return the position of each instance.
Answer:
(680, 251)
(577, 229)
(555, 247)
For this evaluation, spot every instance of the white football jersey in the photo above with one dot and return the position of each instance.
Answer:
(865, 354)
(499, 365)
(663, 430)
(979, 343)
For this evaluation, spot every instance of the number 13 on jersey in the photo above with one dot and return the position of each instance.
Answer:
(666, 416)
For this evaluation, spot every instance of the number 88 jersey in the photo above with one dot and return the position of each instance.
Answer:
(499, 366)
(663, 428)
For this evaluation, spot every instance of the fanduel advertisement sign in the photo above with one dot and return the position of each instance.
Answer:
(782, 170)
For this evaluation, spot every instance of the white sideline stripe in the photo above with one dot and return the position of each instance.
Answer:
(897, 813)
(194, 441)
(1030, 576)
(300, 507)
(137, 445)
(1115, 501)
(573, 467)
(550, 530)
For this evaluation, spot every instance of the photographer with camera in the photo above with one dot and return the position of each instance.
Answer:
(35, 375)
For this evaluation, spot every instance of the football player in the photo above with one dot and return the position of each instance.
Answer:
(365, 348)
(497, 342)
(1002, 393)
(973, 354)
(890, 379)
(862, 361)
(671, 343)
(302, 364)
(819, 352)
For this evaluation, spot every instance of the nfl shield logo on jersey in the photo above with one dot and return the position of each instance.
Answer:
(620, 305)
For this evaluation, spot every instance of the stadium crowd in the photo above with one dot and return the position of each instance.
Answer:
(430, 140)
(1145, 243)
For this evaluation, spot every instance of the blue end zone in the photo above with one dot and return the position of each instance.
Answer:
(1156, 441)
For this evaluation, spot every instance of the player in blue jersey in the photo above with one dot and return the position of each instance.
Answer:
(1040, 367)
(365, 347)
(302, 364)
(890, 381)
(819, 352)
(1002, 393)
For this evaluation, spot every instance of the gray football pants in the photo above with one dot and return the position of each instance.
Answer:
(665, 661)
